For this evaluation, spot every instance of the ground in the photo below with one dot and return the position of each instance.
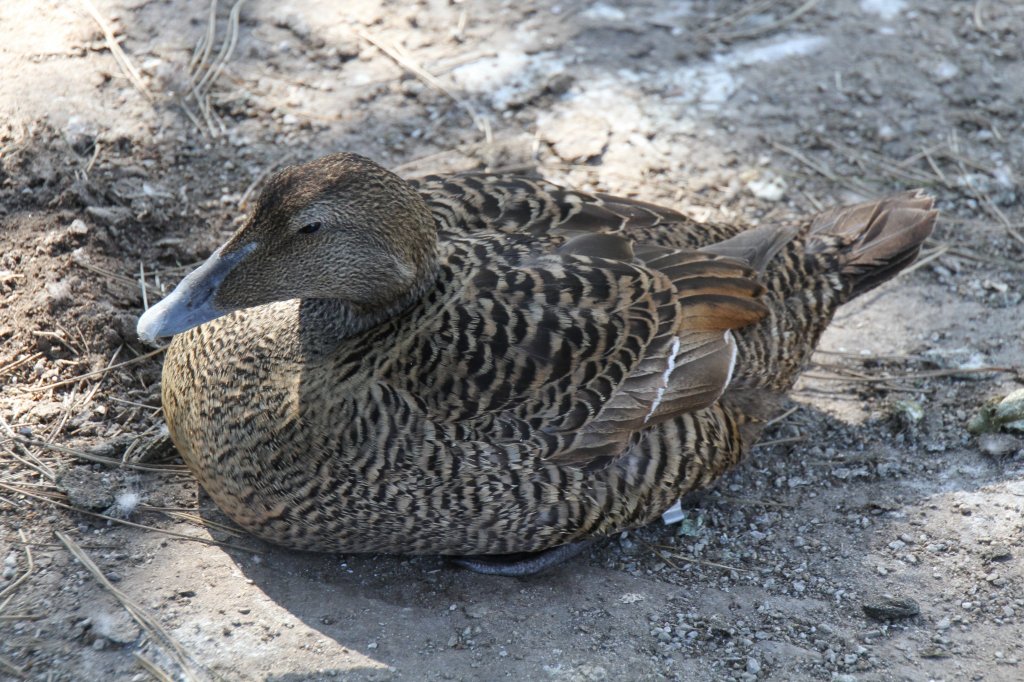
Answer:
(113, 174)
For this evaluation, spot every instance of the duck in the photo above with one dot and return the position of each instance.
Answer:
(492, 368)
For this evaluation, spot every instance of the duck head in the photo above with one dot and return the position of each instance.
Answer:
(340, 227)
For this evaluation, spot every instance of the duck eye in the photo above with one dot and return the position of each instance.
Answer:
(310, 228)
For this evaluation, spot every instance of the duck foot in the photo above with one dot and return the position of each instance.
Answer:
(522, 563)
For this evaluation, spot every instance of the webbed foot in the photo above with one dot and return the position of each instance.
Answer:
(522, 563)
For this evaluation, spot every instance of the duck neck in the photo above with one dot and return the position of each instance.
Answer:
(336, 319)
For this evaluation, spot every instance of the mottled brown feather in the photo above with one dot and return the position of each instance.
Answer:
(569, 366)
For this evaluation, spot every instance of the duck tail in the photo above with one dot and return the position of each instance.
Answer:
(841, 254)
(869, 243)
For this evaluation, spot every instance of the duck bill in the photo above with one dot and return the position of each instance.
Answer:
(193, 301)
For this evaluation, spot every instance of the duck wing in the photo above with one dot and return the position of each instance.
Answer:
(577, 346)
(467, 204)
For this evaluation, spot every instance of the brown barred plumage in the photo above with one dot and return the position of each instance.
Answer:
(485, 365)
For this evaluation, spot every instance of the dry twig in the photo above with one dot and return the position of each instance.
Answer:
(203, 73)
(769, 28)
(12, 669)
(120, 57)
(10, 589)
(14, 364)
(152, 668)
(109, 461)
(32, 461)
(155, 630)
(780, 441)
(926, 374)
(124, 522)
(99, 372)
(406, 61)
(688, 559)
(823, 171)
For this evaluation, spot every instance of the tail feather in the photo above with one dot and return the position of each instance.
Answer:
(841, 254)
(876, 239)
(757, 247)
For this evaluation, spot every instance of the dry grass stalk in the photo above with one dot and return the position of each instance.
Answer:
(109, 274)
(976, 15)
(12, 669)
(926, 374)
(9, 591)
(142, 285)
(859, 356)
(688, 559)
(850, 184)
(133, 403)
(1015, 234)
(15, 364)
(139, 449)
(881, 165)
(31, 461)
(38, 468)
(767, 28)
(153, 669)
(177, 469)
(964, 252)
(119, 55)
(406, 61)
(745, 10)
(227, 48)
(780, 441)
(152, 627)
(113, 519)
(99, 372)
(204, 72)
(782, 416)
(924, 260)
(58, 337)
(15, 617)
(195, 519)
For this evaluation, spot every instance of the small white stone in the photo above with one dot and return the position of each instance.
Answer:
(768, 187)
(946, 71)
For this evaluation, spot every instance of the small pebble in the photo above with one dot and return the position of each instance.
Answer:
(891, 608)
(996, 553)
(999, 444)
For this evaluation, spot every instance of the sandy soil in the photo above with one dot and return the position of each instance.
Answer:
(746, 111)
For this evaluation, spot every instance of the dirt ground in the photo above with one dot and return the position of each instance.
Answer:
(872, 487)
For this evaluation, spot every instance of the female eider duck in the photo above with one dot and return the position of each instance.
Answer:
(491, 367)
